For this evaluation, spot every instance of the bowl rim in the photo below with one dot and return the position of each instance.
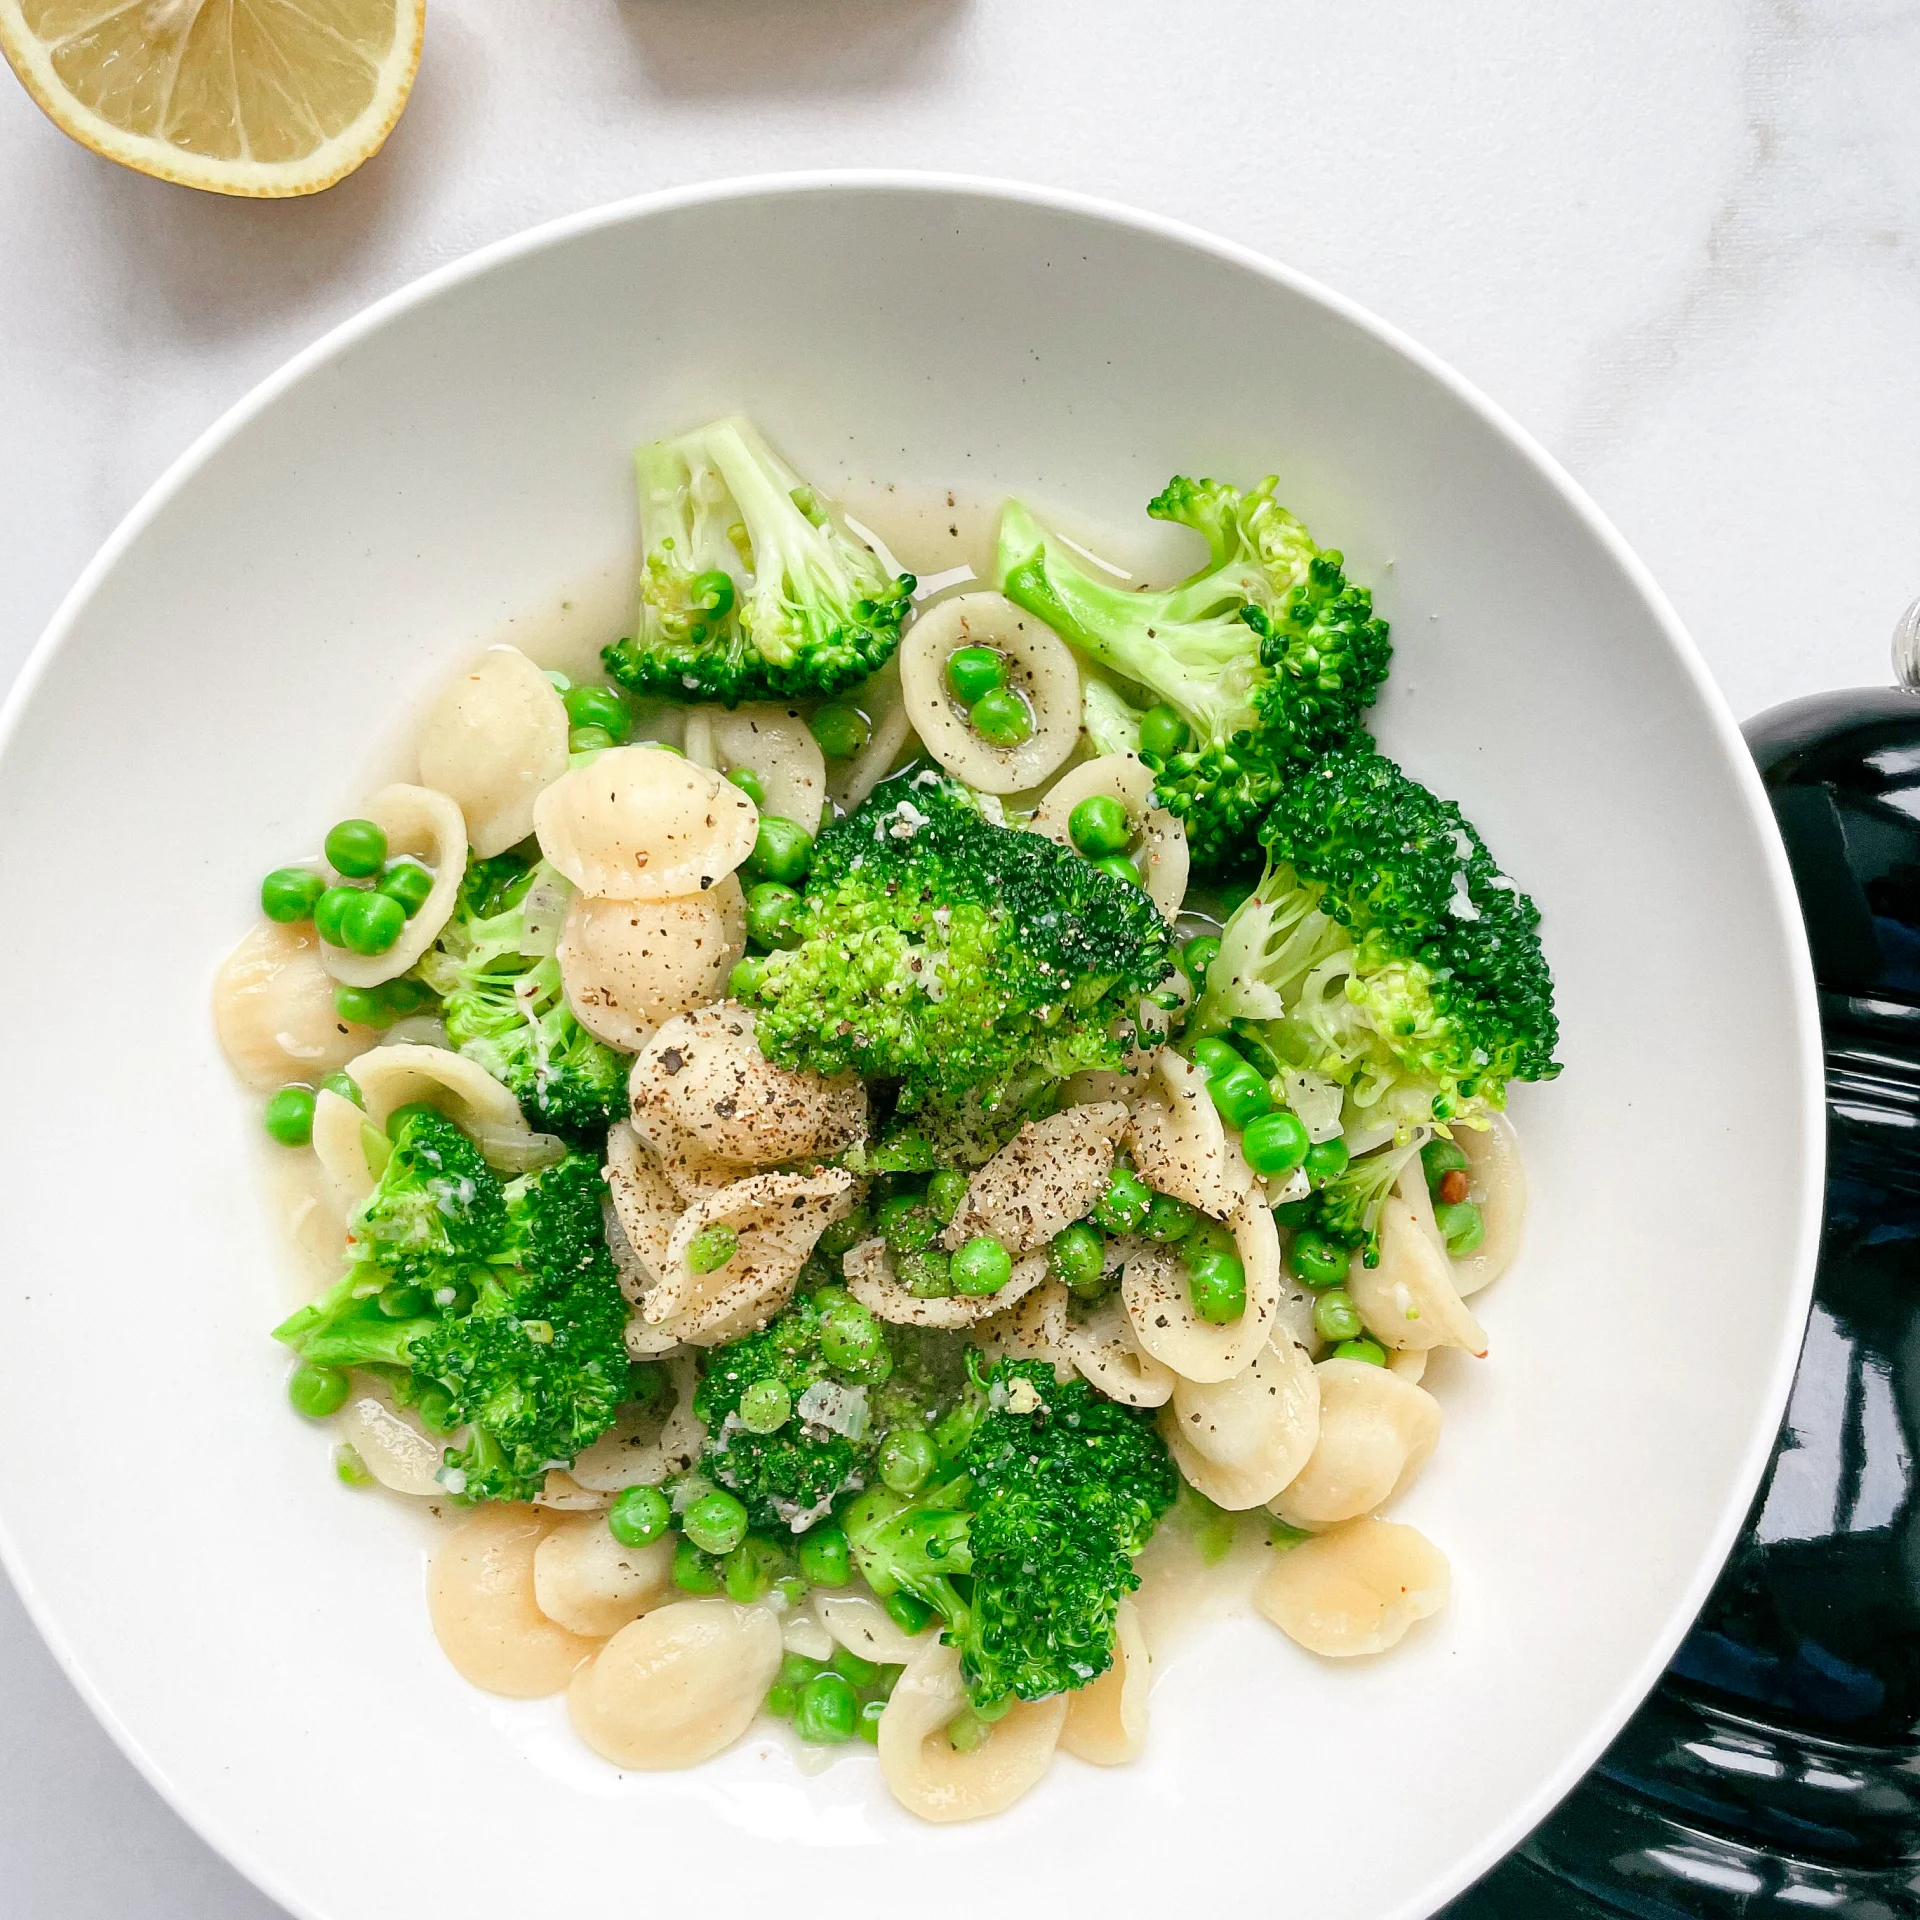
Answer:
(1806, 1045)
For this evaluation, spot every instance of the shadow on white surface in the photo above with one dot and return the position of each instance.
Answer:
(819, 48)
(82, 1835)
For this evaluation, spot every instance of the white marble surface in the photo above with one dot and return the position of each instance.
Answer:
(1678, 242)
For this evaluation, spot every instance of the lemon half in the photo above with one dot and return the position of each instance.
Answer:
(265, 98)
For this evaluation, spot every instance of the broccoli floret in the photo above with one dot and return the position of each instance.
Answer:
(1347, 1209)
(975, 964)
(1026, 1551)
(1385, 949)
(504, 1005)
(1268, 654)
(791, 1476)
(751, 585)
(437, 1203)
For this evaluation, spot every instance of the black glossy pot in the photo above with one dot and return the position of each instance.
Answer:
(1775, 1771)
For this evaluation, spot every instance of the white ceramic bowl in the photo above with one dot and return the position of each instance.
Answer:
(457, 460)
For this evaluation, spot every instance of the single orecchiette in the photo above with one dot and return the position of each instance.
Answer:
(1409, 1300)
(1038, 667)
(645, 1204)
(393, 1077)
(1159, 840)
(1408, 1363)
(1178, 1144)
(703, 1076)
(1497, 1182)
(1376, 1432)
(273, 1009)
(639, 823)
(495, 738)
(865, 1627)
(630, 965)
(1240, 1441)
(923, 1769)
(1107, 1721)
(679, 1685)
(592, 1585)
(776, 1217)
(1159, 1303)
(1046, 1178)
(777, 744)
(881, 701)
(1105, 1351)
(395, 1451)
(481, 1601)
(427, 825)
(1029, 1330)
(872, 1281)
(628, 1454)
(1356, 1589)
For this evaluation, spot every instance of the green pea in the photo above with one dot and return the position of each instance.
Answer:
(870, 1712)
(749, 783)
(363, 1006)
(346, 1086)
(1217, 1286)
(765, 1407)
(1462, 1227)
(1124, 1207)
(327, 911)
(1316, 1261)
(1275, 1143)
(746, 978)
(1438, 1158)
(854, 1670)
(905, 1150)
(1209, 1236)
(945, 1192)
(906, 1223)
(1116, 866)
(907, 1459)
(371, 922)
(1001, 718)
(908, 1612)
(1197, 956)
(404, 995)
(1327, 1160)
(598, 707)
(982, 1266)
(403, 1303)
(828, 1710)
(782, 851)
(1371, 1351)
(770, 915)
(715, 1523)
(694, 1571)
(1162, 732)
(711, 1248)
(1335, 1317)
(1169, 1219)
(825, 1558)
(796, 1670)
(356, 848)
(407, 881)
(842, 731)
(973, 673)
(781, 1700)
(288, 894)
(712, 592)
(288, 1117)
(851, 1339)
(349, 1469)
(589, 740)
(1296, 1214)
(1239, 1094)
(748, 1573)
(926, 1273)
(1078, 1256)
(1099, 826)
(317, 1391)
(844, 1235)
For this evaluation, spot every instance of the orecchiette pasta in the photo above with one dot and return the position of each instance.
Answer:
(645, 1204)
(1029, 1330)
(1159, 1304)
(1160, 841)
(633, 1452)
(494, 740)
(925, 1772)
(393, 1077)
(704, 1077)
(1178, 1144)
(1047, 1177)
(678, 1685)
(1356, 1589)
(428, 826)
(777, 1218)
(592, 1585)
(777, 744)
(1038, 667)
(1240, 1441)
(639, 823)
(872, 1281)
(865, 1627)
(628, 966)
(1498, 1181)
(881, 700)
(481, 1601)
(392, 1448)
(1103, 1348)
(1107, 1721)
(1376, 1432)
(1408, 1363)
(1408, 1300)
(273, 1009)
